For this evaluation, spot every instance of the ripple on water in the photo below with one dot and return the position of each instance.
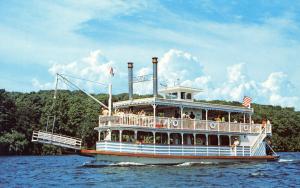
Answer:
(51, 171)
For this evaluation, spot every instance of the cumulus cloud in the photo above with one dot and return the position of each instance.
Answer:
(176, 65)
(95, 67)
(182, 68)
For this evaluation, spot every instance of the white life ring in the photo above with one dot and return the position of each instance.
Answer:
(175, 123)
(212, 125)
(246, 127)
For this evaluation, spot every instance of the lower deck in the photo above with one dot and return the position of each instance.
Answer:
(180, 150)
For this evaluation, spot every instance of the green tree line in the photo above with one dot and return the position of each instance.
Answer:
(77, 115)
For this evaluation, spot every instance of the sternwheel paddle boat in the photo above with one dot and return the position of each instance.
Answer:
(171, 127)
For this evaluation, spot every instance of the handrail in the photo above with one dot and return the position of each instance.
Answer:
(259, 139)
(178, 123)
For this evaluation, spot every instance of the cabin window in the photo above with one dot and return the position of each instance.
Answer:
(182, 95)
(188, 96)
(213, 140)
(145, 137)
(200, 139)
(172, 95)
(128, 136)
(224, 140)
(188, 139)
(161, 138)
(115, 136)
(175, 138)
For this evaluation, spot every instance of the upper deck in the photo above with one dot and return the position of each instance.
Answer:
(181, 104)
(178, 124)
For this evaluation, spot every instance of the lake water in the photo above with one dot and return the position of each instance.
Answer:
(78, 171)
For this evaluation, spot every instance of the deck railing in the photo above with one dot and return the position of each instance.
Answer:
(178, 123)
(174, 149)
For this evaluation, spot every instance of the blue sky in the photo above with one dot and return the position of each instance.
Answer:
(228, 48)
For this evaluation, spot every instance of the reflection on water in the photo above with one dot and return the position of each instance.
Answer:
(77, 171)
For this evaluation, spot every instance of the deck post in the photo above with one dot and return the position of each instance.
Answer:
(120, 135)
(250, 119)
(154, 134)
(154, 114)
(168, 138)
(135, 135)
(206, 119)
(229, 120)
(244, 118)
(181, 112)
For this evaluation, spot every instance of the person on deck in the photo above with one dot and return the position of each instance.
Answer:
(192, 115)
(105, 112)
(177, 115)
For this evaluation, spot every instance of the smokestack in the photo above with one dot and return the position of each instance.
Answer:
(154, 62)
(130, 80)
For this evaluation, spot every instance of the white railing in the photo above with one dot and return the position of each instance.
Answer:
(173, 149)
(256, 146)
(55, 139)
(178, 123)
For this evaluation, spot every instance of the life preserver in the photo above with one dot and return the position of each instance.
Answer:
(246, 127)
(212, 125)
(175, 123)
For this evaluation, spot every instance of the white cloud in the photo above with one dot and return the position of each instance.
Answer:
(176, 64)
(94, 67)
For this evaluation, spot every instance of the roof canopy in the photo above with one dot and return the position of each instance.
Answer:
(184, 104)
(180, 89)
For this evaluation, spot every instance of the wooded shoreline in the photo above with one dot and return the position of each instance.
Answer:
(77, 115)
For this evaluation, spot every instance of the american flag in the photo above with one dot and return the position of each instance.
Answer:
(111, 71)
(247, 101)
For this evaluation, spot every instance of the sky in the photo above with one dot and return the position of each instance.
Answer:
(227, 48)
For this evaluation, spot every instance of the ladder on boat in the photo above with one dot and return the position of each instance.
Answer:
(57, 140)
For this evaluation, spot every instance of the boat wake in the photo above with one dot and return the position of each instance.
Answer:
(196, 163)
(286, 160)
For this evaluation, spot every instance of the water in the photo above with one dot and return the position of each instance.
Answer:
(77, 171)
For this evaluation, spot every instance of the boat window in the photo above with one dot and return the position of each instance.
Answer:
(161, 138)
(188, 96)
(200, 139)
(182, 95)
(213, 140)
(224, 140)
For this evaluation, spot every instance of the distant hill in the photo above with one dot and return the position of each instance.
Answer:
(77, 115)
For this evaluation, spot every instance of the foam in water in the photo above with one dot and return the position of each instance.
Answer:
(195, 163)
(127, 164)
(286, 160)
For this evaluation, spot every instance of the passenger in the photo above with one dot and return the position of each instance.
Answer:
(234, 121)
(192, 115)
(264, 123)
(177, 115)
(185, 115)
(105, 112)
(236, 142)
(218, 119)
(223, 119)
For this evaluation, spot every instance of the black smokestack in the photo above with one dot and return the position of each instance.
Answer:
(154, 62)
(130, 80)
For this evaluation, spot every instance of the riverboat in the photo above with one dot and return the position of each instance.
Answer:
(172, 127)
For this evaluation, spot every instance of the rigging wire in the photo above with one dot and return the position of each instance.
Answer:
(99, 83)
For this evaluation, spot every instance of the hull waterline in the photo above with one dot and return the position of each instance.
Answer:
(170, 159)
